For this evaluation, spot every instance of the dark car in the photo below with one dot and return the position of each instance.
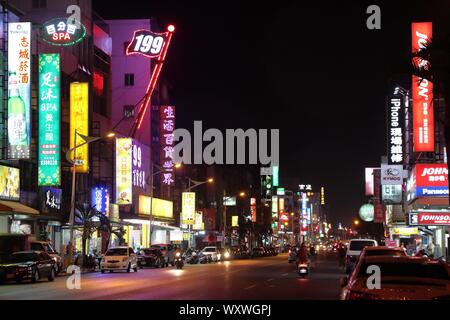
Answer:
(28, 265)
(152, 257)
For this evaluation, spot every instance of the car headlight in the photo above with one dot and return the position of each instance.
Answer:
(177, 254)
(226, 255)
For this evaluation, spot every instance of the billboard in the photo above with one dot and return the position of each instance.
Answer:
(19, 89)
(391, 193)
(188, 208)
(49, 154)
(422, 92)
(79, 122)
(167, 127)
(124, 186)
(51, 200)
(100, 199)
(396, 128)
(62, 32)
(140, 167)
(433, 218)
(229, 201)
(198, 223)
(253, 209)
(369, 181)
(431, 180)
(9, 183)
(160, 208)
(391, 174)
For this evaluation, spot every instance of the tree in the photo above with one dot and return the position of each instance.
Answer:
(107, 226)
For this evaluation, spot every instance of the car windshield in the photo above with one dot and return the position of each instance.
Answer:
(387, 252)
(117, 252)
(209, 250)
(42, 246)
(359, 245)
(22, 257)
(407, 270)
(150, 251)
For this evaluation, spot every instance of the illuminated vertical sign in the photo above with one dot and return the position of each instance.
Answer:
(275, 176)
(140, 167)
(304, 210)
(124, 186)
(187, 208)
(274, 204)
(19, 88)
(396, 121)
(322, 196)
(100, 199)
(253, 209)
(49, 155)
(167, 126)
(79, 122)
(422, 92)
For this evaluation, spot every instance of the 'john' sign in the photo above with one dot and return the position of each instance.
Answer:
(431, 180)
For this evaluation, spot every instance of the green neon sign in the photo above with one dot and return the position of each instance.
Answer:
(49, 156)
(275, 170)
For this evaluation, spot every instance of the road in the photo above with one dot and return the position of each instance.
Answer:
(269, 278)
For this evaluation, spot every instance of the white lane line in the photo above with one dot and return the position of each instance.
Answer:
(268, 280)
(284, 274)
(252, 286)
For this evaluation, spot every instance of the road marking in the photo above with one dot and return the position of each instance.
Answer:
(252, 286)
(269, 279)
(284, 274)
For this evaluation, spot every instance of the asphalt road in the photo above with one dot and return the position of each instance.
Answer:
(262, 278)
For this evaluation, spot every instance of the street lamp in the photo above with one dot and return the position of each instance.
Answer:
(225, 198)
(356, 222)
(152, 174)
(190, 187)
(75, 162)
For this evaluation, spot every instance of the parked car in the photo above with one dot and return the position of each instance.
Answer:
(382, 251)
(151, 257)
(119, 258)
(212, 252)
(354, 250)
(28, 265)
(401, 278)
(47, 247)
(168, 252)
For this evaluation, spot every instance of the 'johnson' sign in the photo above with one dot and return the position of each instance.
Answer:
(431, 180)
(433, 218)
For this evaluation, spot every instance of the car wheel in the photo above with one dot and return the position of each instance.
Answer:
(52, 275)
(129, 267)
(135, 269)
(103, 271)
(35, 276)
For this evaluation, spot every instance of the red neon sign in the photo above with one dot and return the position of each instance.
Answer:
(422, 93)
(152, 45)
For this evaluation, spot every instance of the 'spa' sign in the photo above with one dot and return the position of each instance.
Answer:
(63, 31)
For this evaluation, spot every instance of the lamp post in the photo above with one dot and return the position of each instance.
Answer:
(190, 187)
(75, 162)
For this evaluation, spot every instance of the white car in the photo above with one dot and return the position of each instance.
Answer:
(213, 252)
(401, 278)
(354, 249)
(119, 258)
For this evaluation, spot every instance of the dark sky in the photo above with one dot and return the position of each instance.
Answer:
(309, 68)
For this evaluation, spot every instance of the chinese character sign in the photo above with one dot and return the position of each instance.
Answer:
(19, 87)
(63, 32)
(167, 126)
(51, 199)
(422, 92)
(79, 102)
(140, 167)
(253, 209)
(124, 184)
(100, 199)
(188, 208)
(396, 123)
(49, 157)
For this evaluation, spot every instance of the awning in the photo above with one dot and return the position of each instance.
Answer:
(16, 207)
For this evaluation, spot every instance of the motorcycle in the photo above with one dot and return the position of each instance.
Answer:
(303, 269)
(179, 263)
(192, 258)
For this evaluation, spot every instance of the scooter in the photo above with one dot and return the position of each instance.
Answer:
(303, 269)
(179, 263)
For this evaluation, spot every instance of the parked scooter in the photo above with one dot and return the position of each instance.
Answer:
(191, 257)
(179, 263)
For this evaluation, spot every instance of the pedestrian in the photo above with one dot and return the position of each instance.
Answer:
(341, 255)
(430, 249)
(312, 255)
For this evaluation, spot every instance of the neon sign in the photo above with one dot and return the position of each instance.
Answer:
(61, 32)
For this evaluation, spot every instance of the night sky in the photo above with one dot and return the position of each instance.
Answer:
(309, 68)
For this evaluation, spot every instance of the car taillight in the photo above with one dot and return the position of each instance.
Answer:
(289, 251)
(361, 295)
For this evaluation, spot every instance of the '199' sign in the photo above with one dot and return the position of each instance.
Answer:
(147, 43)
